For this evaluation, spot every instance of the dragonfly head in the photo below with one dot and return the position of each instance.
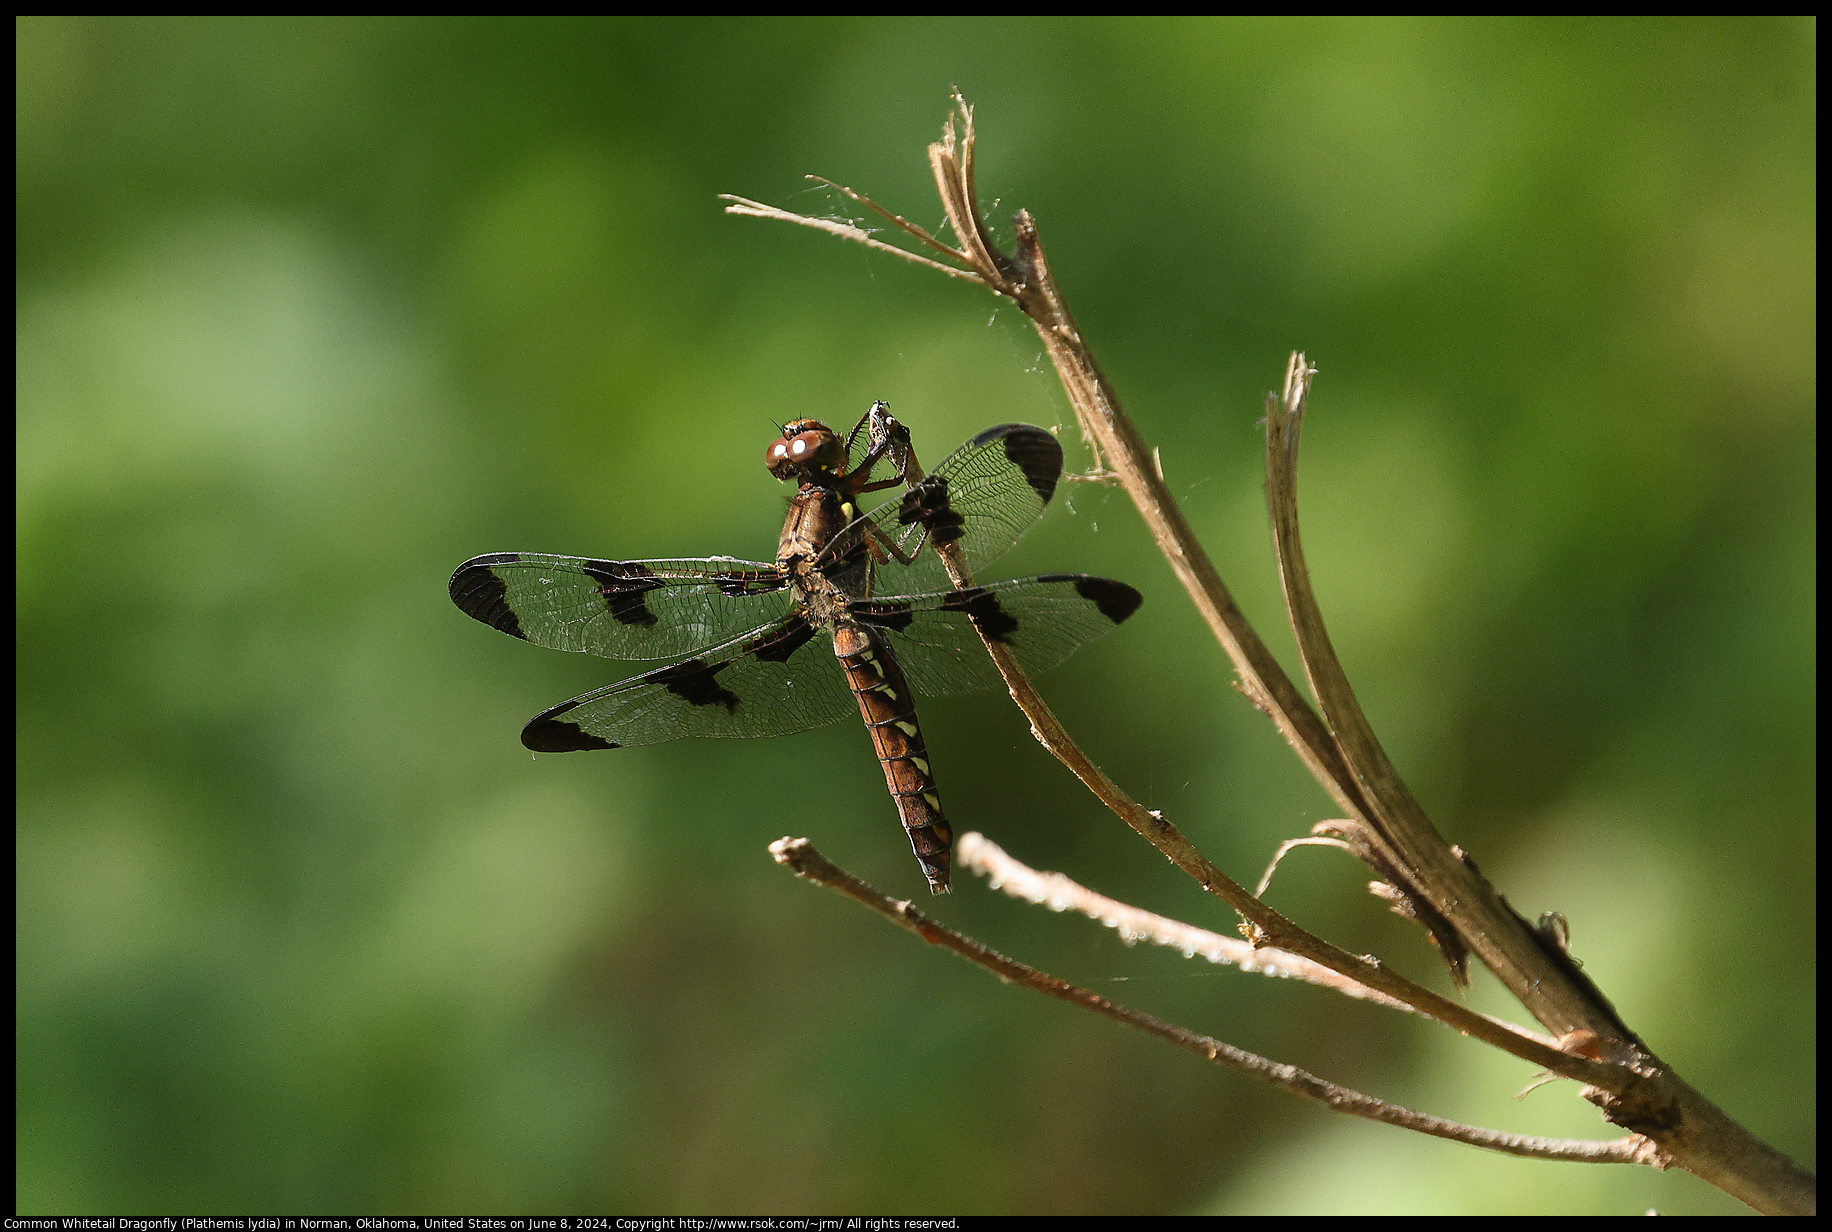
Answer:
(805, 445)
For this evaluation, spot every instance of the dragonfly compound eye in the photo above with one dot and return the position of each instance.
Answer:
(805, 444)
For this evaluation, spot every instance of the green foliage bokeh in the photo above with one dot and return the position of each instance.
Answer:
(311, 310)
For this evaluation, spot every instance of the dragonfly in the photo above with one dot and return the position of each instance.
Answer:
(887, 593)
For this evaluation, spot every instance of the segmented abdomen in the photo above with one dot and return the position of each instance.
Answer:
(889, 712)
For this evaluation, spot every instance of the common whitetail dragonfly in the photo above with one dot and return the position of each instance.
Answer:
(874, 587)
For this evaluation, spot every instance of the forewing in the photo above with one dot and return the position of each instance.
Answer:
(1043, 620)
(620, 609)
(981, 498)
(768, 684)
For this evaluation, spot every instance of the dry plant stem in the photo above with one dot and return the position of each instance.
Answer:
(756, 209)
(1638, 1091)
(799, 855)
(1698, 1135)
(1026, 280)
(1368, 790)
(1285, 848)
(1497, 935)
(1272, 927)
(977, 853)
(1553, 992)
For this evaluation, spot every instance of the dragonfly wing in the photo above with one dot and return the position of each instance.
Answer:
(980, 499)
(619, 609)
(770, 682)
(1042, 619)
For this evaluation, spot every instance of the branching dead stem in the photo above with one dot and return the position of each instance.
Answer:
(1422, 875)
(799, 855)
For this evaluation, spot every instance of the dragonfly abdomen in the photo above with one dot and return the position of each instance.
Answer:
(886, 705)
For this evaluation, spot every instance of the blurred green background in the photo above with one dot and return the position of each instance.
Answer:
(310, 311)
